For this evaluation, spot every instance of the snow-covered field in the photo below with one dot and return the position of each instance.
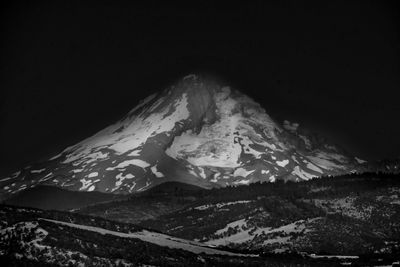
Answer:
(33, 248)
(245, 232)
(152, 237)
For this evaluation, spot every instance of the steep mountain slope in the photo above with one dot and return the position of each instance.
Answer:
(195, 132)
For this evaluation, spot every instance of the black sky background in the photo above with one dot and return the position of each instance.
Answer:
(69, 69)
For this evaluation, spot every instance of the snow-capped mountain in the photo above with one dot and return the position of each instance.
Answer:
(197, 132)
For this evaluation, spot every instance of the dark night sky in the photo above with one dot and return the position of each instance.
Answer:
(69, 69)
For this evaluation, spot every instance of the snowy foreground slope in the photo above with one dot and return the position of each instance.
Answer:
(196, 132)
(152, 237)
(65, 239)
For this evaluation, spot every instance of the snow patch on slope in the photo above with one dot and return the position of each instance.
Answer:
(120, 179)
(156, 172)
(243, 232)
(360, 161)
(136, 162)
(327, 160)
(38, 171)
(314, 168)
(242, 172)
(302, 174)
(283, 163)
(93, 174)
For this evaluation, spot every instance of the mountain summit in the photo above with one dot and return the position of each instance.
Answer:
(196, 132)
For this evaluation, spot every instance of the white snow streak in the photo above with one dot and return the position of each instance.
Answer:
(38, 171)
(120, 178)
(156, 172)
(93, 174)
(152, 237)
(136, 162)
(242, 172)
(283, 163)
(302, 174)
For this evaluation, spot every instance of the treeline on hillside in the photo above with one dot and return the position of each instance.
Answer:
(336, 185)
(177, 195)
(14, 215)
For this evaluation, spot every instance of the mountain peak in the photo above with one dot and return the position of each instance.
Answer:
(194, 84)
(191, 77)
(197, 131)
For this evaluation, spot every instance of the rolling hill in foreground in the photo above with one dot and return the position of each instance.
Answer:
(196, 131)
(55, 198)
(332, 221)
